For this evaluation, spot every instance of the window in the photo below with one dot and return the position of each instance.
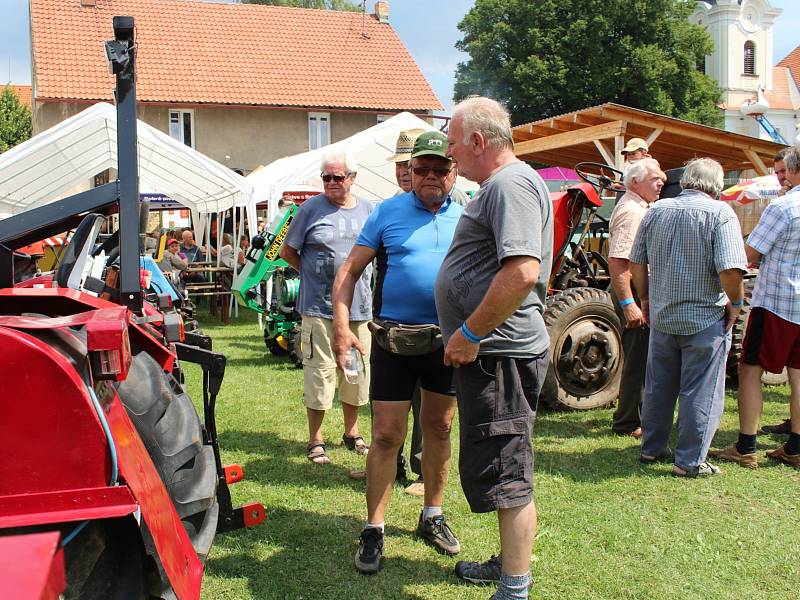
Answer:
(319, 130)
(382, 118)
(749, 58)
(181, 126)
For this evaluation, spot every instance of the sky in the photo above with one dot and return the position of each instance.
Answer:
(428, 28)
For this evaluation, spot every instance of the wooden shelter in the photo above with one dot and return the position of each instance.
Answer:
(599, 133)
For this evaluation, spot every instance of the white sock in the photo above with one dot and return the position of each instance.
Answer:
(374, 526)
(431, 511)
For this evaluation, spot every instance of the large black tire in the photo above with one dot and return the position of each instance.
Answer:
(295, 347)
(170, 429)
(585, 350)
(105, 562)
(737, 333)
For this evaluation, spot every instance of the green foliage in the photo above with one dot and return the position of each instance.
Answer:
(609, 527)
(15, 120)
(318, 4)
(549, 57)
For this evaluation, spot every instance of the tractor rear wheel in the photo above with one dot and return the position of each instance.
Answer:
(295, 347)
(170, 429)
(737, 333)
(585, 350)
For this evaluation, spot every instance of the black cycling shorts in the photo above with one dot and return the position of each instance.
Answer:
(394, 377)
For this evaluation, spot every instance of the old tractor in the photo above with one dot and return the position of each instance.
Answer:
(264, 267)
(104, 449)
(585, 331)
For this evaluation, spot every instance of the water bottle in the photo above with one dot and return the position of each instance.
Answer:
(352, 365)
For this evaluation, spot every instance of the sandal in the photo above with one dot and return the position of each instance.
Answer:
(355, 443)
(702, 470)
(315, 453)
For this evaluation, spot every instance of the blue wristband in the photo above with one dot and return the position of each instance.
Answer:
(624, 303)
(737, 304)
(470, 337)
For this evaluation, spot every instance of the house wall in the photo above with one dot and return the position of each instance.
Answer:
(248, 136)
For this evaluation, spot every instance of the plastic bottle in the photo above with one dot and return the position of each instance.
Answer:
(352, 365)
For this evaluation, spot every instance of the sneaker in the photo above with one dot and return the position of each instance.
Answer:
(779, 453)
(732, 454)
(370, 550)
(436, 532)
(783, 428)
(475, 572)
(416, 489)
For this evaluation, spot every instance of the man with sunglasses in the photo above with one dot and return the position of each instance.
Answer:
(321, 235)
(409, 235)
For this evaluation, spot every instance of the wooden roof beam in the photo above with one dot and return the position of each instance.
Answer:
(570, 138)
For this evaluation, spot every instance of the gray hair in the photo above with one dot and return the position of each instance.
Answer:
(781, 154)
(339, 157)
(637, 170)
(488, 117)
(792, 160)
(704, 175)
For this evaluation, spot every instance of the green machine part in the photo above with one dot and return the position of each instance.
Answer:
(261, 262)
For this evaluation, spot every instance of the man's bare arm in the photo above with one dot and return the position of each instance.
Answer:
(732, 281)
(620, 271)
(291, 256)
(343, 288)
(510, 286)
(641, 281)
(753, 255)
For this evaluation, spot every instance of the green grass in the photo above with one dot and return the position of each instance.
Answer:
(609, 527)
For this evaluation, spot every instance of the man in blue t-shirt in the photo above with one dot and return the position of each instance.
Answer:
(320, 237)
(409, 236)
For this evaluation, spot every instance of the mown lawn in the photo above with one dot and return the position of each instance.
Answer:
(608, 526)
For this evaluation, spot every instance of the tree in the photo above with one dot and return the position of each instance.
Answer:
(550, 57)
(15, 120)
(319, 4)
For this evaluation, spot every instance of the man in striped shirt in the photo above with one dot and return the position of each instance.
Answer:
(690, 298)
(772, 340)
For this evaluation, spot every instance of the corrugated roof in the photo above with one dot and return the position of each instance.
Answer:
(242, 54)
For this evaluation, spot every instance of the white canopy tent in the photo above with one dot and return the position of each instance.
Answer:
(370, 148)
(55, 162)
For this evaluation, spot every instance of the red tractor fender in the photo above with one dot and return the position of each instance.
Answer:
(567, 208)
(49, 418)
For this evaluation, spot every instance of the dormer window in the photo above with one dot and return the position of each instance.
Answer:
(749, 58)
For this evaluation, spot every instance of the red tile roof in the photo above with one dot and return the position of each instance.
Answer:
(792, 62)
(23, 93)
(242, 54)
(779, 97)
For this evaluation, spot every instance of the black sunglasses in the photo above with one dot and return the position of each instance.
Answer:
(337, 178)
(423, 171)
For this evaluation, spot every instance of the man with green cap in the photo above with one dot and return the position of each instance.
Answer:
(409, 235)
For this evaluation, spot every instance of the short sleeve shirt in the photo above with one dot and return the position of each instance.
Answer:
(511, 215)
(687, 241)
(777, 238)
(625, 220)
(410, 242)
(323, 234)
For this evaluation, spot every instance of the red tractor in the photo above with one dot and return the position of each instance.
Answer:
(109, 454)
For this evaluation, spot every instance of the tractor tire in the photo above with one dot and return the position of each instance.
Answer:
(295, 349)
(585, 350)
(737, 334)
(105, 561)
(170, 429)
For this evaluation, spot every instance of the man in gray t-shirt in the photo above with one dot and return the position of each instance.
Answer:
(490, 294)
(321, 235)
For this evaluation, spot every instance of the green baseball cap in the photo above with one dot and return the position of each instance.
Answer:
(430, 143)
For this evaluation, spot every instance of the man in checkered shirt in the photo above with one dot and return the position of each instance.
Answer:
(772, 340)
(691, 298)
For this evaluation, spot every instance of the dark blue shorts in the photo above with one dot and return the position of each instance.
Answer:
(497, 400)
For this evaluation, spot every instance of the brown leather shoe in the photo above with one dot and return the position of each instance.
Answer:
(731, 454)
(793, 460)
(784, 428)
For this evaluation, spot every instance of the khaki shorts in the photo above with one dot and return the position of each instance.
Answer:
(320, 372)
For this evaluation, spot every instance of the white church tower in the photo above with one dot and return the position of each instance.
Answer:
(742, 64)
